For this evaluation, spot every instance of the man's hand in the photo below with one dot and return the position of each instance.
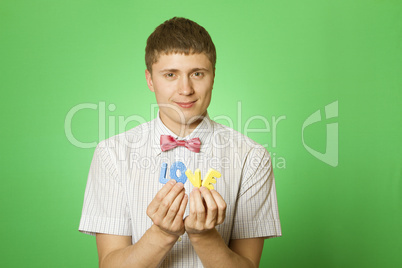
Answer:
(207, 210)
(167, 209)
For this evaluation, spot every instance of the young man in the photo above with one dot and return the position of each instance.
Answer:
(141, 222)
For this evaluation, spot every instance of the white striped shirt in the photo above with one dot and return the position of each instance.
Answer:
(124, 178)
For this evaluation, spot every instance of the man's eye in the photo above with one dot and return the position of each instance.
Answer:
(198, 74)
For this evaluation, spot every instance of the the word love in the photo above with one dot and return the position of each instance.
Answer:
(185, 174)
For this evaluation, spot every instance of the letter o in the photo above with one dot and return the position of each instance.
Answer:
(173, 172)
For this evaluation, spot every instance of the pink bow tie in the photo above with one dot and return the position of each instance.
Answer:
(168, 142)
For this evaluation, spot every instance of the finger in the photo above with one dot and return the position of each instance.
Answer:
(211, 208)
(174, 208)
(179, 216)
(221, 204)
(169, 199)
(193, 212)
(199, 208)
(155, 203)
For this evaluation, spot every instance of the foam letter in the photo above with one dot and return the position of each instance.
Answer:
(210, 178)
(195, 178)
(178, 166)
(162, 176)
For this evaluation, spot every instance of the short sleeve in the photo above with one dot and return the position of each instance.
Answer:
(257, 209)
(105, 204)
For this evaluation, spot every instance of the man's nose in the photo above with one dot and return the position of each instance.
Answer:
(185, 86)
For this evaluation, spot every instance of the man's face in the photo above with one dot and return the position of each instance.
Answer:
(182, 85)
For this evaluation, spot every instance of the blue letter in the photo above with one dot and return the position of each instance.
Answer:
(178, 166)
(162, 177)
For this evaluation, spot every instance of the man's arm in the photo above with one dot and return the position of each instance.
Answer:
(251, 248)
(213, 251)
(166, 211)
(208, 243)
(149, 251)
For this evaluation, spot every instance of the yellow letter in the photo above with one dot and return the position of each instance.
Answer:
(210, 178)
(195, 179)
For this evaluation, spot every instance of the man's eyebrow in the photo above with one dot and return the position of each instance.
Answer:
(199, 69)
(169, 70)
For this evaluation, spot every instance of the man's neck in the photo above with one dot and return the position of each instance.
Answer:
(181, 130)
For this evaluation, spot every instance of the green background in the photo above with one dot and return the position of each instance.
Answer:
(278, 58)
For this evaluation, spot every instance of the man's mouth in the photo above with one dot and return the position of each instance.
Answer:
(186, 104)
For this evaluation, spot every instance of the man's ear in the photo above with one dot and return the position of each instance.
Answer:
(148, 77)
(213, 79)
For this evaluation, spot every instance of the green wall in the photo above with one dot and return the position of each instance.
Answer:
(278, 60)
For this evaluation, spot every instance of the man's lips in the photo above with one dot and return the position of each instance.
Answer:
(188, 104)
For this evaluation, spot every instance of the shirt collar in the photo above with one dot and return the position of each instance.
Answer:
(204, 131)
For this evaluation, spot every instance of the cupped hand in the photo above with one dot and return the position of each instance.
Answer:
(167, 208)
(207, 210)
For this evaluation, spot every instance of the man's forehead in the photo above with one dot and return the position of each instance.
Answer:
(182, 60)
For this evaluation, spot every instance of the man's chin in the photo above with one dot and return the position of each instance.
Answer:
(194, 119)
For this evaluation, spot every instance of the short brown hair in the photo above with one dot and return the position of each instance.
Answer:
(179, 35)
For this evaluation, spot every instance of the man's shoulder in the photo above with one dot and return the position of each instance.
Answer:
(135, 135)
(224, 133)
